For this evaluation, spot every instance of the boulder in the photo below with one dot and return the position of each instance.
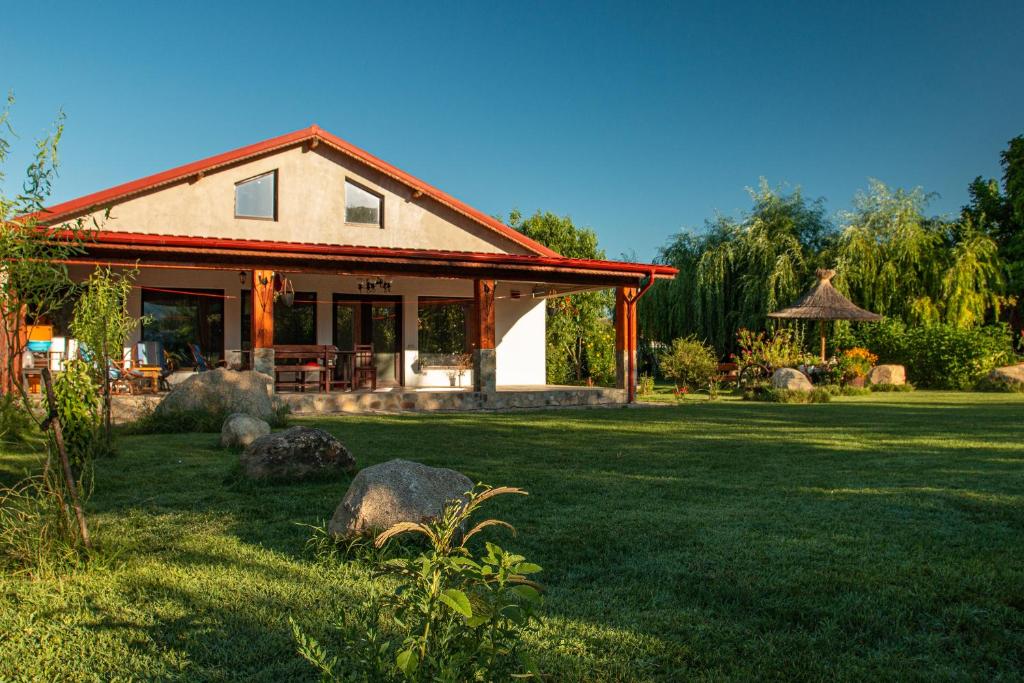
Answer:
(296, 453)
(791, 379)
(222, 391)
(382, 495)
(1011, 374)
(241, 430)
(888, 374)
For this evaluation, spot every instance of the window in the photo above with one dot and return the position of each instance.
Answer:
(295, 324)
(362, 206)
(180, 318)
(257, 197)
(443, 330)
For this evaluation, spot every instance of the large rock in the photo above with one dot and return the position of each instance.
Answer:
(888, 374)
(791, 379)
(396, 491)
(241, 430)
(1012, 374)
(222, 391)
(296, 453)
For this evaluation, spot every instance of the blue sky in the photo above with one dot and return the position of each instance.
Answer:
(636, 119)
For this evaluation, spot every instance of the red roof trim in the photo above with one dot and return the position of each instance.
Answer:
(186, 242)
(96, 200)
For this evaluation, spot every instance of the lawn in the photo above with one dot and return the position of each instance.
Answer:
(877, 537)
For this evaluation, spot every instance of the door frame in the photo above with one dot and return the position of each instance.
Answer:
(363, 299)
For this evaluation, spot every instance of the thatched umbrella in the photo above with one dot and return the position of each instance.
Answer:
(823, 303)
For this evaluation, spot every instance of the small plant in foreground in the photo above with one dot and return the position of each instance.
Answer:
(886, 388)
(645, 386)
(456, 615)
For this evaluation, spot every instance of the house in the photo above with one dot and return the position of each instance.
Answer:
(306, 239)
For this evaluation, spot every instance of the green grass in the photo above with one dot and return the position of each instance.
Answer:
(874, 537)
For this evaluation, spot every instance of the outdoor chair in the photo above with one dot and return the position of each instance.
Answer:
(363, 368)
(123, 380)
(152, 353)
(202, 364)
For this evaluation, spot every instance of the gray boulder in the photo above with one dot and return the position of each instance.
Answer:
(1011, 374)
(296, 453)
(888, 374)
(382, 495)
(791, 379)
(241, 430)
(222, 391)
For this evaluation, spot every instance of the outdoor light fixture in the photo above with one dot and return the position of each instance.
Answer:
(241, 277)
(370, 285)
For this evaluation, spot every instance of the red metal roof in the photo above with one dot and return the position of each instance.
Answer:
(110, 196)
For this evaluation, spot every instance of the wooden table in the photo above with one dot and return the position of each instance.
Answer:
(151, 374)
(299, 359)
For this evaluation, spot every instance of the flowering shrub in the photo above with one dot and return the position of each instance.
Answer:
(854, 363)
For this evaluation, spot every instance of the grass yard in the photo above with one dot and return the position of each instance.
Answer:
(877, 537)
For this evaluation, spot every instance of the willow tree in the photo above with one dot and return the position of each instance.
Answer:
(894, 260)
(738, 270)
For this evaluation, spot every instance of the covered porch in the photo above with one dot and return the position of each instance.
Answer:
(447, 330)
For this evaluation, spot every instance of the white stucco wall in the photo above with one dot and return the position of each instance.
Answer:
(519, 323)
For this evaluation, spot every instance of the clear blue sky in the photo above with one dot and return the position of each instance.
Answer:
(635, 119)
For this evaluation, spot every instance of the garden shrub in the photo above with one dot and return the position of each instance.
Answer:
(457, 614)
(645, 386)
(773, 395)
(938, 356)
(891, 387)
(691, 364)
(78, 406)
(195, 421)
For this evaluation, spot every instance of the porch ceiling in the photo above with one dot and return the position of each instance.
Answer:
(128, 249)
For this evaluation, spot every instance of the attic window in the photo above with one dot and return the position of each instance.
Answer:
(257, 197)
(362, 206)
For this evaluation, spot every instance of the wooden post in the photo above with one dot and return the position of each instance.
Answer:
(262, 351)
(484, 358)
(626, 340)
(821, 330)
(262, 309)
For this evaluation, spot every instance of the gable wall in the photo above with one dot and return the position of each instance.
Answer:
(311, 208)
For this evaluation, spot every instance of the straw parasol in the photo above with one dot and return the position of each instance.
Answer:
(823, 303)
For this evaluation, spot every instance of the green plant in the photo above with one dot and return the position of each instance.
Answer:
(998, 384)
(456, 615)
(691, 364)
(645, 386)
(203, 421)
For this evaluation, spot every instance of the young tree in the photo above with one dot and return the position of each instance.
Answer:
(580, 338)
(102, 325)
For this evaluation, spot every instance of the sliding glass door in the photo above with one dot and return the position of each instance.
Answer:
(373, 320)
(178, 318)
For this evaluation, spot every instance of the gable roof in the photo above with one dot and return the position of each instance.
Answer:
(314, 135)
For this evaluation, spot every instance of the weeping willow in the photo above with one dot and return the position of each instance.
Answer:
(890, 259)
(737, 271)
